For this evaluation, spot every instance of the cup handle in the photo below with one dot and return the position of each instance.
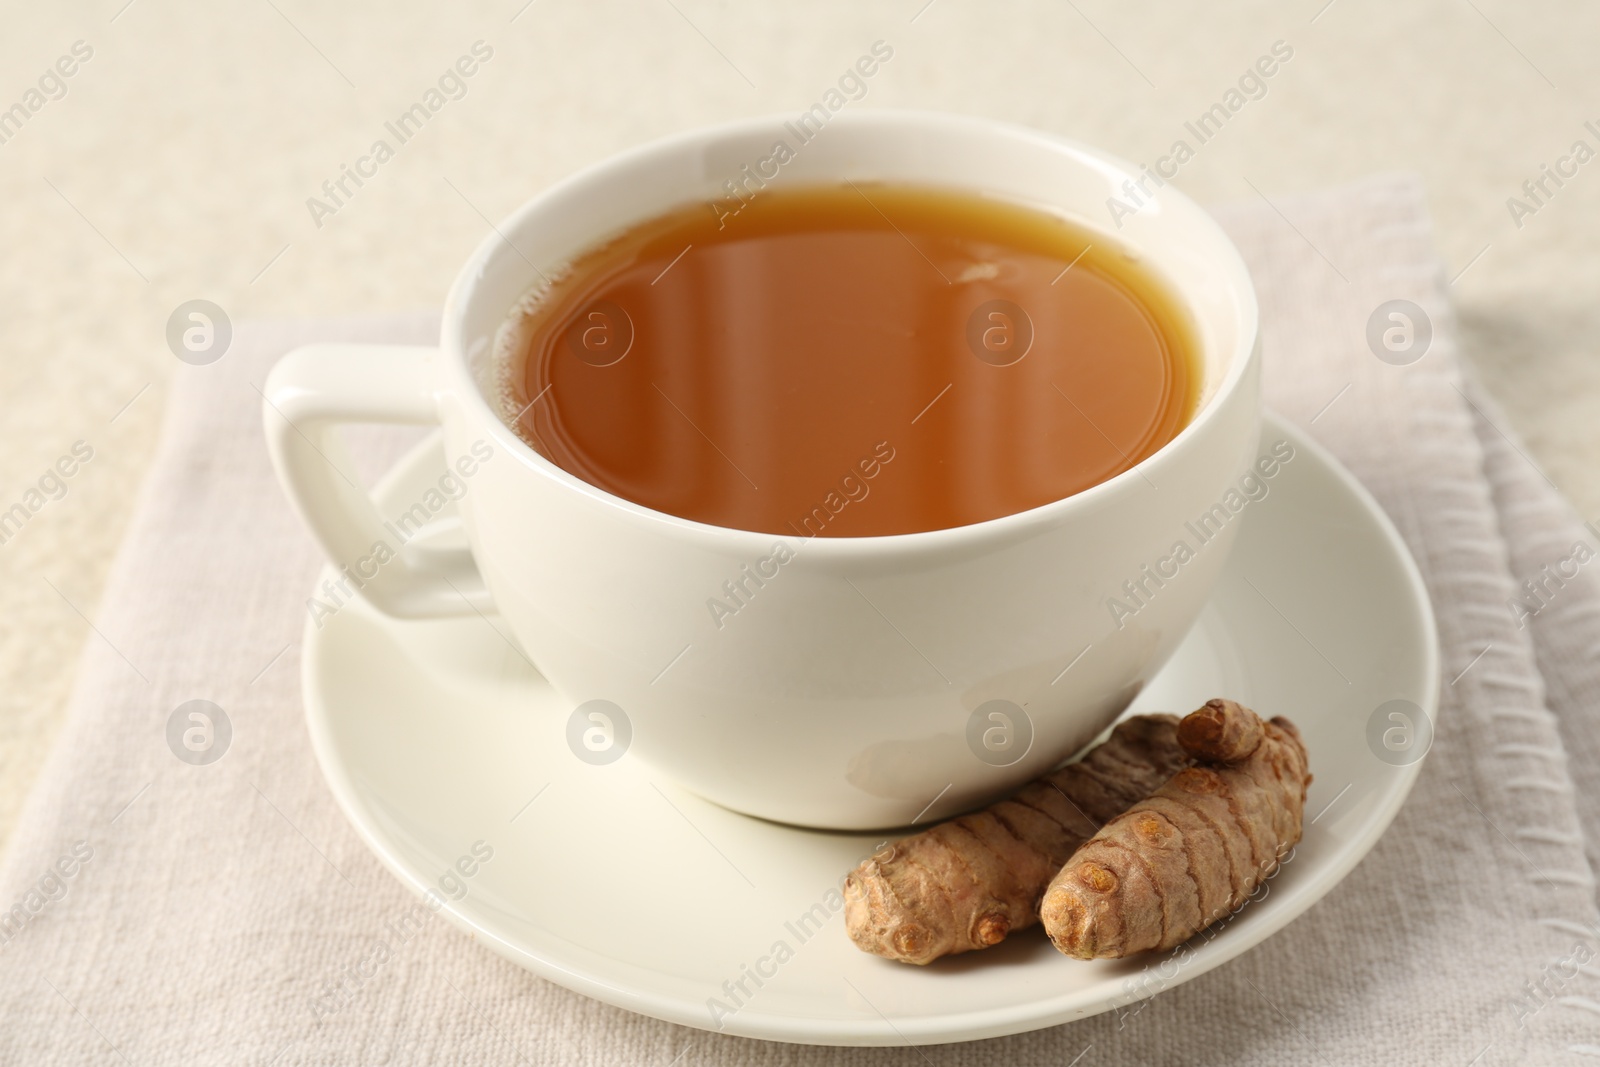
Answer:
(308, 394)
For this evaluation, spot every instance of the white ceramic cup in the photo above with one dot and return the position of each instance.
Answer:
(869, 681)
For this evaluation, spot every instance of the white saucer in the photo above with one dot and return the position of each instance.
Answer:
(614, 883)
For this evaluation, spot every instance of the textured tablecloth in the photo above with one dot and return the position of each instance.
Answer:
(169, 913)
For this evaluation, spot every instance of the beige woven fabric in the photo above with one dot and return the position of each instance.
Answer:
(181, 914)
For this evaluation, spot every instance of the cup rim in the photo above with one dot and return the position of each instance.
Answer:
(465, 388)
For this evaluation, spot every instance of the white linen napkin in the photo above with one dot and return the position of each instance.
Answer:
(181, 914)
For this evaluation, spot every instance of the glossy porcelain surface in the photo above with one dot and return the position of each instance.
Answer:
(612, 881)
(843, 693)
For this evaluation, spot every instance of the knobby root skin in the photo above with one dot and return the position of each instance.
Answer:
(1219, 732)
(968, 882)
(1193, 851)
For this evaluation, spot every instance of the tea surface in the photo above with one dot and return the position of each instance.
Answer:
(850, 360)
